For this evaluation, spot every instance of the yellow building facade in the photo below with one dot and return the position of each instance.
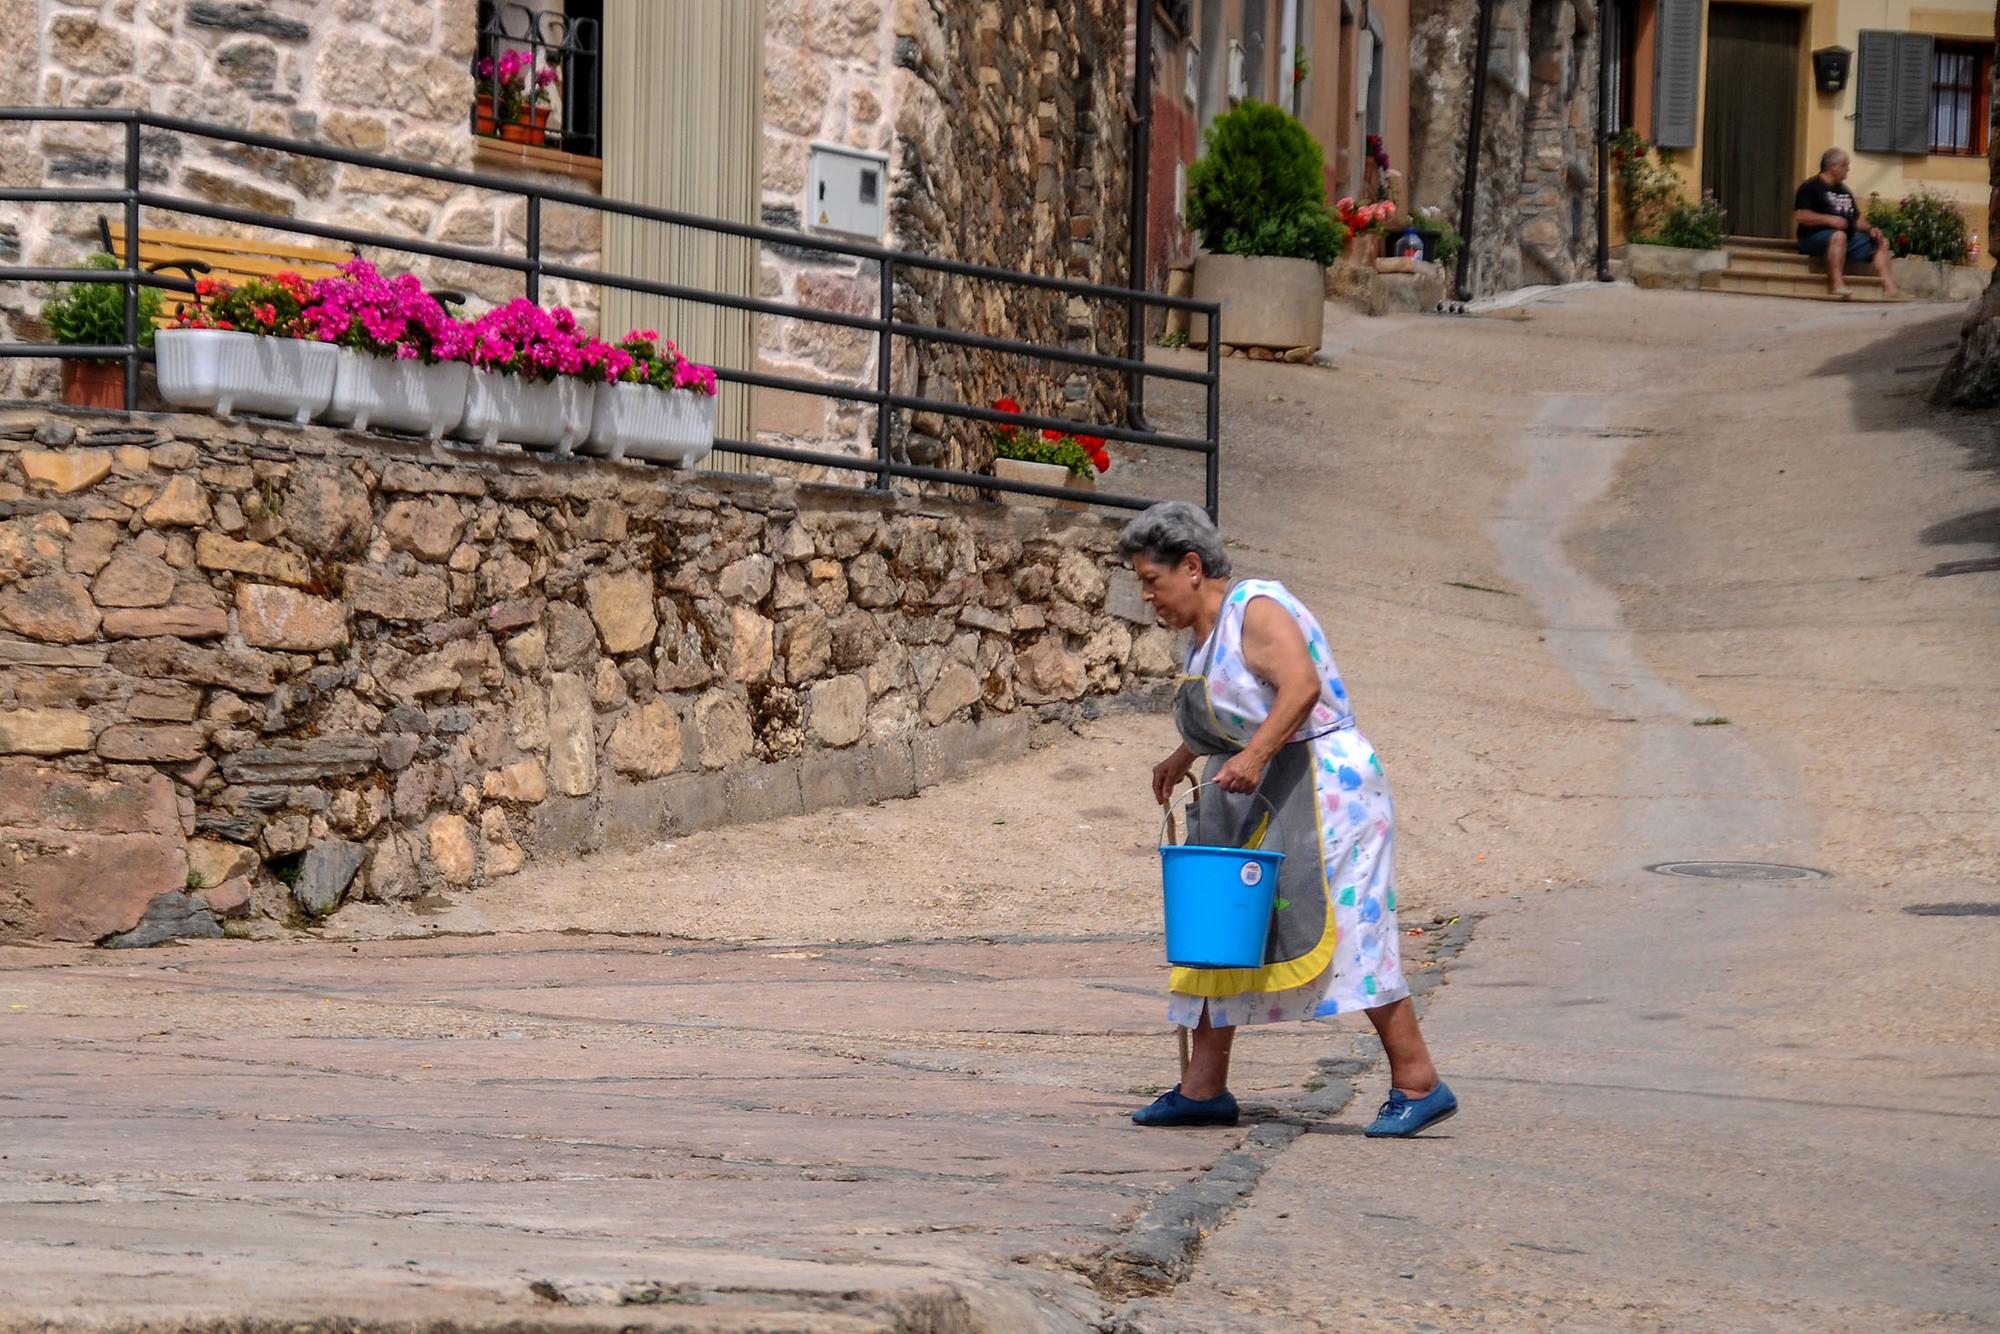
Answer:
(1733, 89)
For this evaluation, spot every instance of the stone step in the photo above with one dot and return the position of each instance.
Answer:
(1804, 287)
(1761, 267)
(1757, 243)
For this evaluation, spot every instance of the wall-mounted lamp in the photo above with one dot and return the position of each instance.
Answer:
(1830, 66)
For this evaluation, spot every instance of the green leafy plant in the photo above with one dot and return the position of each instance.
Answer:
(1437, 221)
(1925, 223)
(93, 314)
(1648, 182)
(1260, 189)
(1084, 455)
(1693, 225)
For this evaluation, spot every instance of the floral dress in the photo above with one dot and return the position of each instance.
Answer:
(1333, 945)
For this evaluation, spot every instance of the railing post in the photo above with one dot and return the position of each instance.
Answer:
(131, 262)
(884, 378)
(1215, 417)
(534, 275)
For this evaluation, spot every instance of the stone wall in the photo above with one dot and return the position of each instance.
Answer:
(285, 667)
(827, 78)
(383, 76)
(1011, 143)
(1535, 217)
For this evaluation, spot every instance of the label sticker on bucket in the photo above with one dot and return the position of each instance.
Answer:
(1253, 874)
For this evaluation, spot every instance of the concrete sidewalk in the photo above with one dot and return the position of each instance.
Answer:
(914, 1136)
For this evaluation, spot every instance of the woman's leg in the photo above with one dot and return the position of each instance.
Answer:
(1410, 1068)
(1208, 1064)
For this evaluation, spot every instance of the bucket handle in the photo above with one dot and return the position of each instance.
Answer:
(1168, 830)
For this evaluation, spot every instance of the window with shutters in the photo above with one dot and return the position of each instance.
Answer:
(1677, 37)
(1896, 96)
(1961, 83)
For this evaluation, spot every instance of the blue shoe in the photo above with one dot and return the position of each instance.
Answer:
(1171, 1109)
(1403, 1115)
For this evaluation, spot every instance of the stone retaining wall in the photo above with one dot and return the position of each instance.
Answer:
(283, 667)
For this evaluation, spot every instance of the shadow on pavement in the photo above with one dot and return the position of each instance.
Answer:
(1889, 383)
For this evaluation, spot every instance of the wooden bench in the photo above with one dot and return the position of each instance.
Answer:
(229, 258)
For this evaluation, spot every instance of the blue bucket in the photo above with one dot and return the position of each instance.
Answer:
(1219, 903)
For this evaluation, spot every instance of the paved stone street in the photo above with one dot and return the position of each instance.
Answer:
(1617, 578)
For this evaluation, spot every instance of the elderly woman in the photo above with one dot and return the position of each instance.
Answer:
(1261, 700)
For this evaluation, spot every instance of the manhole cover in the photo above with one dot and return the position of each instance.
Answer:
(1737, 871)
(1954, 909)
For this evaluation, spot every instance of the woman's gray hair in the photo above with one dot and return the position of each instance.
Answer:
(1172, 529)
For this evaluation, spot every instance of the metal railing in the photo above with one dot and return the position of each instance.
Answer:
(885, 326)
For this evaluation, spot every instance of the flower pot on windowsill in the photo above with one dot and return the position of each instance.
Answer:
(1041, 474)
(227, 371)
(485, 119)
(533, 131)
(93, 384)
(384, 394)
(637, 421)
(534, 414)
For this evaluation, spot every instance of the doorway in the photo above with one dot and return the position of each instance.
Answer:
(1749, 135)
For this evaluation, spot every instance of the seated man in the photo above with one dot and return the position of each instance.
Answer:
(1831, 227)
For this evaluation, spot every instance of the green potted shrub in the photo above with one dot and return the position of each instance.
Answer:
(1257, 199)
(93, 315)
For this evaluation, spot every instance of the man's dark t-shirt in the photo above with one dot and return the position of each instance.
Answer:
(1816, 196)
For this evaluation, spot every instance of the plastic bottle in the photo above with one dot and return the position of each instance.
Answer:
(1411, 245)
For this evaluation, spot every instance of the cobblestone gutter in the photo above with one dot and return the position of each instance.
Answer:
(260, 669)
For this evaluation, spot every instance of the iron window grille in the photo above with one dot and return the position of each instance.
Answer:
(570, 42)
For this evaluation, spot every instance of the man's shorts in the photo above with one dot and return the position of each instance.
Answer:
(1860, 245)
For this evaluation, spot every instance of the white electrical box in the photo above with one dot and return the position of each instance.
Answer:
(847, 191)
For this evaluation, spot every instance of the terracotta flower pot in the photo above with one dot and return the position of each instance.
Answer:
(93, 384)
(484, 119)
(535, 132)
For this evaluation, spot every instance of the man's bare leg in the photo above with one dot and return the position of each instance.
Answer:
(1882, 261)
(1836, 265)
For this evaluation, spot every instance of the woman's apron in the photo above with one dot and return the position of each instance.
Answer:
(1301, 940)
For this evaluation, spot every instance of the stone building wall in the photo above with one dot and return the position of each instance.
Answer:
(383, 76)
(1535, 216)
(1010, 151)
(286, 667)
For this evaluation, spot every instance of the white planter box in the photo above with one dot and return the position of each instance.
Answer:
(636, 421)
(217, 370)
(389, 395)
(1042, 474)
(535, 414)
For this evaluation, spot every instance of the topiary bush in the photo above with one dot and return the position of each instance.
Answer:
(1260, 189)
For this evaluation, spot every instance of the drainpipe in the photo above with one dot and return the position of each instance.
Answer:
(1604, 118)
(1142, 161)
(1288, 55)
(1469, 197)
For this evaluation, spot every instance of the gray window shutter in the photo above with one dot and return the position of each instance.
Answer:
(1677, 73)
(1875, 93)
(1915, 57)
